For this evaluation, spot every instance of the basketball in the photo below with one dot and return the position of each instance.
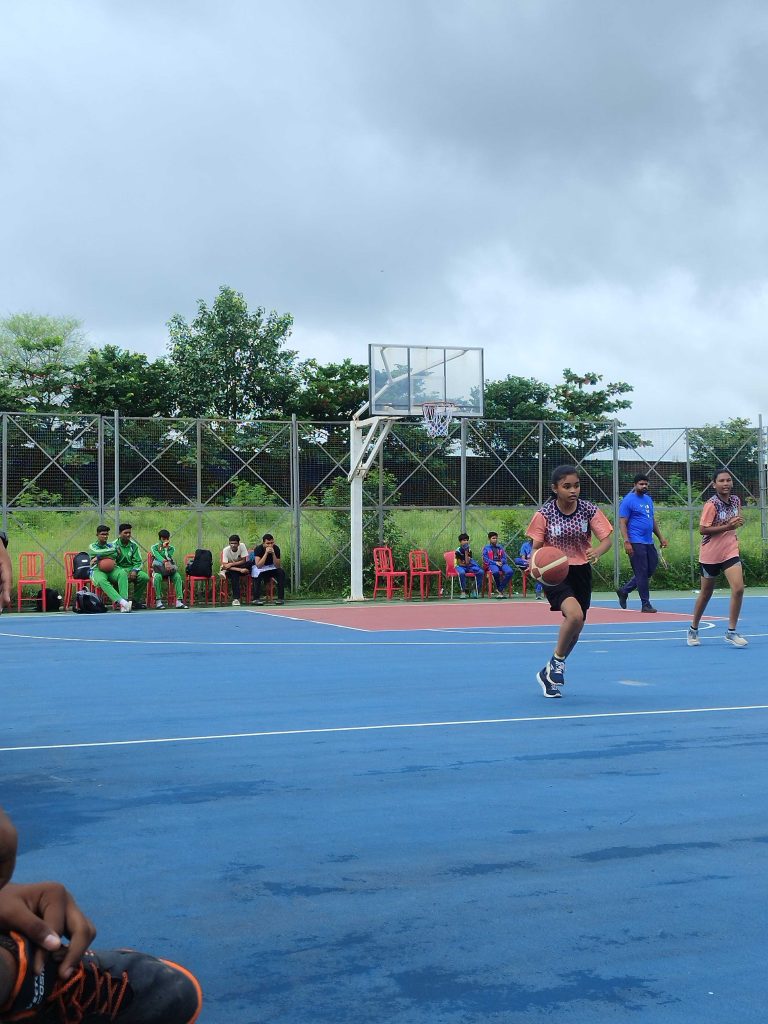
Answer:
(108, 564)
(549, 566)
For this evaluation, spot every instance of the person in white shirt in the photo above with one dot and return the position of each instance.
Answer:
(234, 565)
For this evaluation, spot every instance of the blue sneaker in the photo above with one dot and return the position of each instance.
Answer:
(547, 687)
(555, 671)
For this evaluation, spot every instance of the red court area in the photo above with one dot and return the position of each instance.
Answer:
(457, 614)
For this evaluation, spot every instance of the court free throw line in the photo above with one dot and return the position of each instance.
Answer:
(379, 728)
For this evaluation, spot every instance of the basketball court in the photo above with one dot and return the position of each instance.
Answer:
(370, 813)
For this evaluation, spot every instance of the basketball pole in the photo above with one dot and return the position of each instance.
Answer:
(363, 449)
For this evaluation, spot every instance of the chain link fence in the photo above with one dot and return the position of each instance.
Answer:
(205, 479)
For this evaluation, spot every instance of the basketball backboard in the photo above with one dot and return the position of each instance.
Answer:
(403, 377)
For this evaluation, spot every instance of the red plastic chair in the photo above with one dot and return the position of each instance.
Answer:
(489, 585)
(31, 574)
(451, 574)
(191, 584)
(384, 567)
(245, 589)
(418, 566)
(71, 583)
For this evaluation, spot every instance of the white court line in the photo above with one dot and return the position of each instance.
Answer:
(379, 728)
(311, 622)
(380, 644)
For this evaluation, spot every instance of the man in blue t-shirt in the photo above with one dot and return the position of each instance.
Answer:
(637, 522)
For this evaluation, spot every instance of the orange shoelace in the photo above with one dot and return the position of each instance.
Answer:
(89, 991)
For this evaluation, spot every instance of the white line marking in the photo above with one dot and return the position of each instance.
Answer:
(381, 728)
(311, 622)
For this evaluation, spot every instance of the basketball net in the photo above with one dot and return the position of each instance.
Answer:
(437, 417)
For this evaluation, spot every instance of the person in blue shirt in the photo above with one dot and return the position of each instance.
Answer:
(637, 522)
(465, 564)
(523, 561)
(495, 562)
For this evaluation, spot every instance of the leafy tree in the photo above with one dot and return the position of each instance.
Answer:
(517, 398)
(231, 362)
(37, 354)
(111, 378)
(587, 412)
(334, 391)
(732, 443)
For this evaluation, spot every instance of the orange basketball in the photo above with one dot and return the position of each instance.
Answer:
(106, 564)
(549, 566)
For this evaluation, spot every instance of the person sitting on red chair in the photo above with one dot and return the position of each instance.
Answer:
(265, 561)
(465, 563)
(495, 562)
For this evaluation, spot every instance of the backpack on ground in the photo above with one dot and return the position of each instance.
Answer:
(52, 600)
(86, 601)
(201, 564)
(81, 565)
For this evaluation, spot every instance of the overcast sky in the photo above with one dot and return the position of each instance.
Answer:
(572, 183)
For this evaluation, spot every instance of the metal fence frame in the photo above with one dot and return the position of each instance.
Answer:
(291, 464)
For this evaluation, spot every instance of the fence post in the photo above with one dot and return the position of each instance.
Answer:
(295, 504)
(199, 482)
(541, 463)
(117, 469)
(761, 479)
(100, 466)
(463, 475)
(355, 516)
(5, 471)
(615, 488)
(691, 543)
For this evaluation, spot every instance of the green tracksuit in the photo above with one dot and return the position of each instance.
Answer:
(130, 558)
(161, 554)
(115, 583)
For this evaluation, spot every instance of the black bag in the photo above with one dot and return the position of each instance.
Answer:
(52, 600)
(201, 564)
(85, 601)
(81, 566)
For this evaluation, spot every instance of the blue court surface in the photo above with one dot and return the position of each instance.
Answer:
(340, 826)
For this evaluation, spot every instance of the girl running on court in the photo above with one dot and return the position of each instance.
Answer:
(568, 522)
(719, 552)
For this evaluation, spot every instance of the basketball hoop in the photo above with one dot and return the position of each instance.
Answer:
(437, 417)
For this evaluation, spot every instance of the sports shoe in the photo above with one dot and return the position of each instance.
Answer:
(555, 671)
(473, 593)
(159, 604)
(622, 596)
(137, 606)
(260, 602)
(115, 985)
(280, 600)
(180, 604)
(125, 606)
(732, 637)
(463, 595)
(693, 638)
(235, 603)
(546, 685)
(500, 595)
(649, 609)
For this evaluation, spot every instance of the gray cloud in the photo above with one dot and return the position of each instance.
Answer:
(565, 184)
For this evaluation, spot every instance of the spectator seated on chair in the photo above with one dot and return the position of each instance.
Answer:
(265, 564)
(113, 581)
(129, 557)
(465, 564)
(165, 567)
(523, 561)
(234, 565)
(495, 562)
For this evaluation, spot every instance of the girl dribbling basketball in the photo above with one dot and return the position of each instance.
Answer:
(568, 522)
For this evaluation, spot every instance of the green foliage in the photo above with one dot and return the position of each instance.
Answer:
(733, 441)
(252, 495)
(231, 362)
(111, 378)
(37, 354)
(583, 412)
(334, 391)
(517, 398)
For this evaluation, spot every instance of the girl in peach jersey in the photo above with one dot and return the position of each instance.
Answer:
(719, 553)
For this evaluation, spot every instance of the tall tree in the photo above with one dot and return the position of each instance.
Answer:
(232, 362)
(517, 398)
(588, 410)
(37, 354)
(111, 378)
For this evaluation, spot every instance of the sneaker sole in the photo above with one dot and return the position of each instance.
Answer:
(694, 643)
(735, 643)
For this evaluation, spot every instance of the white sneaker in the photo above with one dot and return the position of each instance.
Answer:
(235, 603)
(693, 638)
(180, 604)
(732, 637)
(125, 606)
(159, 604)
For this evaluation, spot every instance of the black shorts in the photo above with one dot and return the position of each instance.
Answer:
(578, 584)
(711, 570)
